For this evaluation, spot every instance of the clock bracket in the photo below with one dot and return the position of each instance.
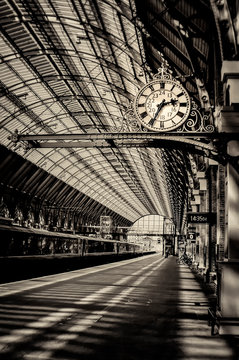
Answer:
(197, 121)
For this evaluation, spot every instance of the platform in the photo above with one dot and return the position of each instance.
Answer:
(145, 308)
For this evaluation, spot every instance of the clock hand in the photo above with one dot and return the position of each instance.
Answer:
(160, 105)
(172, 101)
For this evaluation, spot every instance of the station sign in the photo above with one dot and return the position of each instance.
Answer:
(191, 236)
(201, 217)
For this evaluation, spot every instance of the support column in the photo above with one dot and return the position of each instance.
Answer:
(221, 214)
(212, 230)
(229, 289)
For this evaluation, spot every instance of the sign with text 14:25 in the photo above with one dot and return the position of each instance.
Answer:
(201, 217)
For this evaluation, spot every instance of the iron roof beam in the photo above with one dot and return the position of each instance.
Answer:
(200, 143)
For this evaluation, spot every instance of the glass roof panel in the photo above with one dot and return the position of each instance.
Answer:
(73, 68)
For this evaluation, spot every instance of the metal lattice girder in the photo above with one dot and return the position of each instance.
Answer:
(196, 142)
(74, 67)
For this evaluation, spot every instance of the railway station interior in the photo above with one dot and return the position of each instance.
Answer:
(119, 179)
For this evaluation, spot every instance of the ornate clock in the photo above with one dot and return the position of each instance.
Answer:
(162, 105)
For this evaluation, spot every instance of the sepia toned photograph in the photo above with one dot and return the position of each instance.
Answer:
(119, 180)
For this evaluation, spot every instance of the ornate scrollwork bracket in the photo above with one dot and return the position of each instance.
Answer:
(196, 121)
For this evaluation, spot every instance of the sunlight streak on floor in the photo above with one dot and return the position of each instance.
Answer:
(194, 335)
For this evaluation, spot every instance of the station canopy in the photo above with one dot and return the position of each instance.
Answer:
(74, 67)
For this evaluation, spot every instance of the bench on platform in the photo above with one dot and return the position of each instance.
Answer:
(222, 325)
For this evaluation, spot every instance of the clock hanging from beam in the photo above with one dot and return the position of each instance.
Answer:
(163, 104)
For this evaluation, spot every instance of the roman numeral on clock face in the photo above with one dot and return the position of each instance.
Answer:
(143, 114)
(151, 122)
(183, 104)
(179, 113)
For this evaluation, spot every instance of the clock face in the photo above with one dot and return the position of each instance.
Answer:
(162, 105)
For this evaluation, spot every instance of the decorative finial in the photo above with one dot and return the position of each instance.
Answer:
(163, 71)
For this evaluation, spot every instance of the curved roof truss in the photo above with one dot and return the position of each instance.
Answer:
(71, 67)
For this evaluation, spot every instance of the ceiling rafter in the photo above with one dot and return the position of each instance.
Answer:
(47, 37)
(38, 75)
(109, 84)
(81, 64)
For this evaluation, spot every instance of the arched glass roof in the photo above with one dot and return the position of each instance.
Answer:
(73, 67)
